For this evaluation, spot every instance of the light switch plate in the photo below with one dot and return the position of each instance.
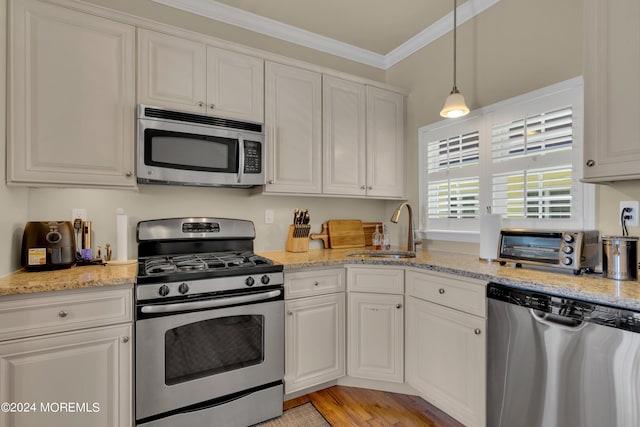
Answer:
(268, 216)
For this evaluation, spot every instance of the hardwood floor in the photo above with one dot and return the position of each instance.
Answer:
(350, 406)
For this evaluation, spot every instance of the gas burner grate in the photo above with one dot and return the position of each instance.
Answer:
(202, 262)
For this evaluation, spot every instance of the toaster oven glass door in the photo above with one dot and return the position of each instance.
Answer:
(541, 248)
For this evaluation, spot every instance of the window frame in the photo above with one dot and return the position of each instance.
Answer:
(569, 92)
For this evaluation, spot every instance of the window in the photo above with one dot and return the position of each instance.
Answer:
(520, 158)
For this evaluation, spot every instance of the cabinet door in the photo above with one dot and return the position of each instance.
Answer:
(235, 85)
(314, 341)
(376, 336)
(72, 98)
(89, 368)
(612, 90)
(293, 111)
(446, 359)
(343, 137)
(385, 143)
(171, 72)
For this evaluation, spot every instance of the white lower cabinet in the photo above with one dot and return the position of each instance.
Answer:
(74, 378)
(375, 323)
(376, 336)
(314, 328)
(446, 347)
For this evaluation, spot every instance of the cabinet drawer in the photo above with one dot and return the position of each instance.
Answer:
(460, 293)
(38, 315)
(381, 279)
(313, 282)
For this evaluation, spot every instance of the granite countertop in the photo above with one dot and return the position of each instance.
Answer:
(589, 287)
(86, 276)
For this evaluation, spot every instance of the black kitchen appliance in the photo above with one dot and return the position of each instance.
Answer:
(209, 325)
(48, 245)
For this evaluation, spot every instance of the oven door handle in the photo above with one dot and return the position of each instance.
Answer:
(197, 305)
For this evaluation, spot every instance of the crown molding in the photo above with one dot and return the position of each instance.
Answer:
(250, 21)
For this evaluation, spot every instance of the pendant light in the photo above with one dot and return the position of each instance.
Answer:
(454, 106)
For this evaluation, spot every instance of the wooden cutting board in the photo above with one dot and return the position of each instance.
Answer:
(345, 233)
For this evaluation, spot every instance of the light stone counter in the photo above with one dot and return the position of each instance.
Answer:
(88, 276)
(589, 287)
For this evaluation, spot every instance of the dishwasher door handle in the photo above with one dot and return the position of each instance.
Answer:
(555, 320)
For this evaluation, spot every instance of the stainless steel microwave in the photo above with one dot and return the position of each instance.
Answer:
(573, 250)
(181, 148)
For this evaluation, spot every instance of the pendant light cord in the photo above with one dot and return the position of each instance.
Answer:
(455, 13)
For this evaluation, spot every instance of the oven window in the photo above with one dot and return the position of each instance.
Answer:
(190, 152)
(213, 346)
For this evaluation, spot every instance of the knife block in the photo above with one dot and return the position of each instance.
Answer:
(298, 238)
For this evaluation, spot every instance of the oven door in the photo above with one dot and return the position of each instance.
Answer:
(193, 357)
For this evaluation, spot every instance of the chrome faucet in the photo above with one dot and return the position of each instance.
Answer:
(411, 243)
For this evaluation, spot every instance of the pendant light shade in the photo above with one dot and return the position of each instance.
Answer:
(454, 105)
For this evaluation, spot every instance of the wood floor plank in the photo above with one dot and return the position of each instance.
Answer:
(352, 406)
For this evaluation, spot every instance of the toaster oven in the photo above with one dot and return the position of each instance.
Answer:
(570, 250)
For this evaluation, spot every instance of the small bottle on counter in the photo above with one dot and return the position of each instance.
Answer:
(386, 238)
(376, 239)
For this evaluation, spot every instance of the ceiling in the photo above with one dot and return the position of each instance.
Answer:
(379, 33)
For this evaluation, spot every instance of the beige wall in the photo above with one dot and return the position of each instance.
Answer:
(512, 48)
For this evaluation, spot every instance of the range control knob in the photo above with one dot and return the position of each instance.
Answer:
(567, 261)
(249, 281)
(183, 288)
(163, 290)
(568, 238)
(567, 250)
(265, 279)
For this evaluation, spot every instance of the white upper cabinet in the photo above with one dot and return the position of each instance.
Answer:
(385, 143)
(293, 121)
(363, 140)
(344, 137)
(612, 90)
(71, 87)
(188, 75)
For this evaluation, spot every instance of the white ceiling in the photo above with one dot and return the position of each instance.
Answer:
(379, 33)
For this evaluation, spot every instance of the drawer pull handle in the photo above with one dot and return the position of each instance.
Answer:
(398, 306)
(62, 313)
(441, 290)
(477, 331)
(125, 339)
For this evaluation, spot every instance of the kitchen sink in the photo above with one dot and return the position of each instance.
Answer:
(383, 254)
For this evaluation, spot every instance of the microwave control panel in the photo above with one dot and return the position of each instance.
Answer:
(252, 157)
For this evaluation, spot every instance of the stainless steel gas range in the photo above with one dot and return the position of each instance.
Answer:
(209, 325)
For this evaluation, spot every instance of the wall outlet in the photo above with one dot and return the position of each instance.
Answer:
(633, 215)
(78, 213)
(268, 216)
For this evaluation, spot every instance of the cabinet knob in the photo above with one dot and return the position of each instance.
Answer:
(477, 331)
(316, 283)
(370, 188)
(200, 104)
(591, 163)
(129, 174)
(62, 313)
(270, 181)
(290, 313)
(398, 306)
(212, 106)
(441, 290)
(363, 188)
(125, 339)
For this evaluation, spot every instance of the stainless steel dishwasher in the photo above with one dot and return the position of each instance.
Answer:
(560, 362)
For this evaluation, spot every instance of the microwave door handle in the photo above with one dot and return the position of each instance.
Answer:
(240, 159)
(220, 302)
